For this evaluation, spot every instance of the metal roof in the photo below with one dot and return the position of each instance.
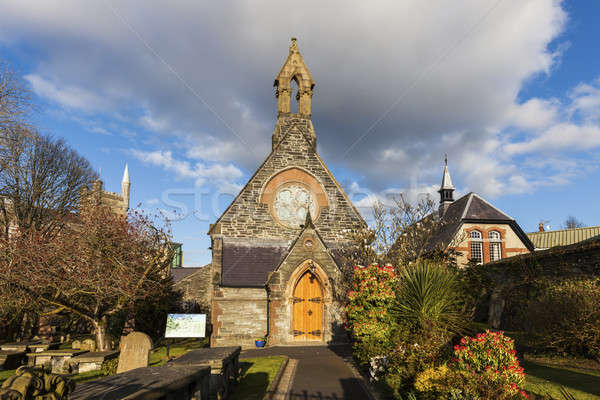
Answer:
(545, 240)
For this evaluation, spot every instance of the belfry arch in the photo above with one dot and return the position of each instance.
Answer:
(294, 69)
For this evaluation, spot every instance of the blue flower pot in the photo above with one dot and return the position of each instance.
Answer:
(260, 343)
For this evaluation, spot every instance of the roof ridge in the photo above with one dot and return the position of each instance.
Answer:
(494, 207)
(467, 206)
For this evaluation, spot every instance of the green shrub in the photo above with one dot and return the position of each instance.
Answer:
(428, 299)
(369, 303)
(564, 317)
(413, 354)
(483, 367)
(403, 324)
(109, 367)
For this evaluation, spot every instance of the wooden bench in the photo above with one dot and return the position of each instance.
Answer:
(224, 363)
(169, 382)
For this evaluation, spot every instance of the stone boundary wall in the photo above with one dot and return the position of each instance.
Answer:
(579, 259)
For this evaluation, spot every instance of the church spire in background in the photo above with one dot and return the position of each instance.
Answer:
(125, 186)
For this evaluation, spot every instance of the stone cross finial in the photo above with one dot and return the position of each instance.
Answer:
(294, 46)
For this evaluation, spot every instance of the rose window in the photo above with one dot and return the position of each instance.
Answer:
(291, 205)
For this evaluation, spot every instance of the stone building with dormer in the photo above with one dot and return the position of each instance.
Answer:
(273, 266)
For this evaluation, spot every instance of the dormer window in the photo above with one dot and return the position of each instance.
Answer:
(495, 246)
(476, 247)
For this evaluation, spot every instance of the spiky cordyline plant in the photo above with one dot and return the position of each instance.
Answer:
(428, 298)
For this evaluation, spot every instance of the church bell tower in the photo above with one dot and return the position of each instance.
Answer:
(293, 69)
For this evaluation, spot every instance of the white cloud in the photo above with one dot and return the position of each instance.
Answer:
(100, 130)
(586, 101)
(534, 114)
(204, 72)
(200, 173)
(67, 96)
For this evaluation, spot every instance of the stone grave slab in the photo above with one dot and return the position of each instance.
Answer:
(36, 348)
(150, 383)
(92, 361)
(135, 352)
(224, 363)
(59, 360)
(19, 346)
(88, 344)
(11, 359)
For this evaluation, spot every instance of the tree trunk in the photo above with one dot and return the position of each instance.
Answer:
(100, 330)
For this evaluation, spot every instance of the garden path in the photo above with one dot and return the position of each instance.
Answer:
(322, 372)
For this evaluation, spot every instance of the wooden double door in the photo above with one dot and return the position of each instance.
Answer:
(308, 308)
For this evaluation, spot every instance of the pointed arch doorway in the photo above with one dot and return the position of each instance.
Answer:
(307, 316)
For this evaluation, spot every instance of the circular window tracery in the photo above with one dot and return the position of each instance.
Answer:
(292, 203)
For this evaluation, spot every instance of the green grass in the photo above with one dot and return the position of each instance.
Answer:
(158, 356)
(257, 375)
(542, 380)
(4, 375)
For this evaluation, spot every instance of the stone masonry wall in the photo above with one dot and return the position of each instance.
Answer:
(197, 287)
(248, 217)
(579, 259)
(239, 315)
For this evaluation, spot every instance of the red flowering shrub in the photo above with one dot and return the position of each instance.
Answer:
(368, 310)
(483, 367)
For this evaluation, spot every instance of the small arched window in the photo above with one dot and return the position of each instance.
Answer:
(495, 246)
(476, 247)
(294, 94)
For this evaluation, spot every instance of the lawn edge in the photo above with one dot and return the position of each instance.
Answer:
(272, 389)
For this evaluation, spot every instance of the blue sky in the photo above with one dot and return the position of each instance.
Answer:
(182, 92)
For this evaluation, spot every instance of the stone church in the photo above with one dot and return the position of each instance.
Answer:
(274, 265)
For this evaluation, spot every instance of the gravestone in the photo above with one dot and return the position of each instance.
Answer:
(135, 352)
(76, 345)
(89, 345)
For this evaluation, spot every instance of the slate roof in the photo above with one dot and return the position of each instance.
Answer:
(563, 237)
(179, 274)
(247, 262)
(475, 209)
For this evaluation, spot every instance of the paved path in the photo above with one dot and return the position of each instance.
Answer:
(321, 372)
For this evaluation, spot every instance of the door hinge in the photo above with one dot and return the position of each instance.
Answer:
(315, 333)
(297, 300)
(298, 333)
(315, 300)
